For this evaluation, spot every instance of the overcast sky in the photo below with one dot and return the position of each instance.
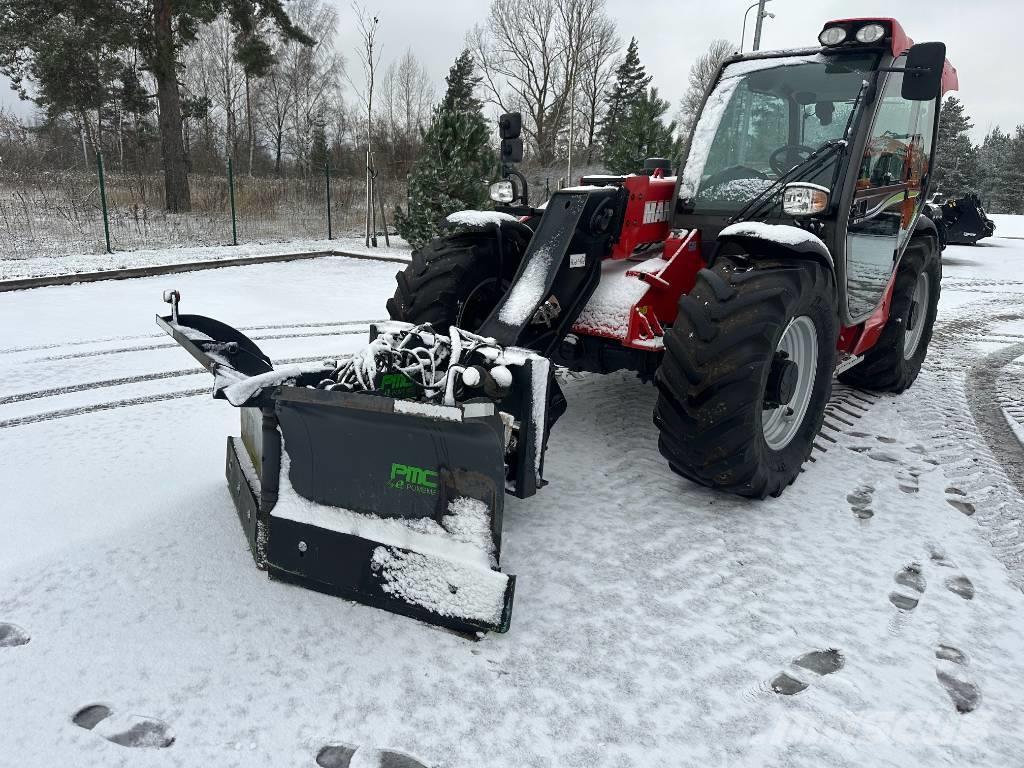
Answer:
(983, 38)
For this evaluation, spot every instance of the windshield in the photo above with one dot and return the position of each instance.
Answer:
(764, 117)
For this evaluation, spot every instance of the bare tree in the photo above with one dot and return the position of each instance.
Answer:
(597, 72)
(530, 54)
(702, 74)
(406, 96)
(369, 58)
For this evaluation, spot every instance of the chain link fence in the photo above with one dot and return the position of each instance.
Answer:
(55, 213)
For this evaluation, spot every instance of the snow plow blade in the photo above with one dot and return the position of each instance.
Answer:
(390, 502)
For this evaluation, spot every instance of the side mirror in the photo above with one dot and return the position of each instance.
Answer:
(510, 126)
(922, 78)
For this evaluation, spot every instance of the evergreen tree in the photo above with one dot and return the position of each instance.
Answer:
(462, 83)
(630, 87)
(954, 171)
(1013, 190)
(993, 171)
(62, 46)
(456, 160)
(642, 134)
(634, 129)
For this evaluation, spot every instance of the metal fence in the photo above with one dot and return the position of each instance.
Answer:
(54, 213)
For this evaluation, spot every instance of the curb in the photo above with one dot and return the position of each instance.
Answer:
(26, 283)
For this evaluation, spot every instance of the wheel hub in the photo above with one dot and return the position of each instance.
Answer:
(782, 380)
(790, 384)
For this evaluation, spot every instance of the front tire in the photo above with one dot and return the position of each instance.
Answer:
(457, 279)
(736, 334)
(893, 364)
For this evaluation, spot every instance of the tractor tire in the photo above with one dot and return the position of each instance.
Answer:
(456, 279)
(894, 362)
(721, 373)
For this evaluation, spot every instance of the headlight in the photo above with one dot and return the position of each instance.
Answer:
(870, 33)
(502, 192)
(832, 36)
(802, 199)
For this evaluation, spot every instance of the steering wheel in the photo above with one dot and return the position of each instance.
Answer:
(732, 173)
(786, 158)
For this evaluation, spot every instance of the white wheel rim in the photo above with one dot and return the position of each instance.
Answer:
(800, 343)
(912, 336)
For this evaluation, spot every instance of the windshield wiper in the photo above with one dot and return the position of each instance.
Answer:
(814, 163)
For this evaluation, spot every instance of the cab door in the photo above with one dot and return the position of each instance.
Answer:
(887, 198)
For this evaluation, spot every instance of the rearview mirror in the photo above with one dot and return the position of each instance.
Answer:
(922, 80)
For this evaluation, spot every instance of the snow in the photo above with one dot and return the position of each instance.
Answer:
(479, 218)
(442, 412)
(650, 616)
(529, 290)
(784, 234)
(43, 266)
(704, 135)
(741, 68)
(422, 535)
(607, 312)
(1008, 225)
(239, 391)
(736, 190)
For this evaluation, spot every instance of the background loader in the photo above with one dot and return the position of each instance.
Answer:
(789, 249)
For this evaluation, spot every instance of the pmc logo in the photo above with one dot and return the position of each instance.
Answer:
(409, 478)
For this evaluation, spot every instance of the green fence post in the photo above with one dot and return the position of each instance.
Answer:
(327, 175)
(103, 200)
(231, 194)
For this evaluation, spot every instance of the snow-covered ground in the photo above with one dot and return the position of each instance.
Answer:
(42, 266)
(654, 621)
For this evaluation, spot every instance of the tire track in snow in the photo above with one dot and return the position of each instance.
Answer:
(243, 329)
(64, 413)
(173, 344)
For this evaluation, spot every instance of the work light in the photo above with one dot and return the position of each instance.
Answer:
(832, 36)
(870, 33)
(502, 192)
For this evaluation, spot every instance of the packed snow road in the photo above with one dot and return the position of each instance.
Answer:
(871, 616)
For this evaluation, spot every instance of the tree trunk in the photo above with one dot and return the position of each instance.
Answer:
(172, 147)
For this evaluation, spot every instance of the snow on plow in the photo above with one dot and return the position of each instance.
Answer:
(381, 478)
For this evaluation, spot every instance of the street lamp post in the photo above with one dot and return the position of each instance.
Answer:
(761, 15)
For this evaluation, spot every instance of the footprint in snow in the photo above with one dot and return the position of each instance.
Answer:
(964, 694)
(911, 579)
(346, 756)
(956, 498)
(795, 679)
(12, 635)
(938, 556)
(860, 501)
(960, 585)
(907, 480)
(126, 730)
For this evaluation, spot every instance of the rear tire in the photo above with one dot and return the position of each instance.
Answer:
(456, 279)
(714, 379)
(893, 364)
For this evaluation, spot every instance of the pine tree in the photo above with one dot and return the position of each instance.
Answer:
(462, 83)
(633, 129)
(642, 135)
(954, 171)
(455, 163)
(993, 170)
(1013, 190)
(631, 81)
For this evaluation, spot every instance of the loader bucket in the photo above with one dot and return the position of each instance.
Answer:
(392, 503)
